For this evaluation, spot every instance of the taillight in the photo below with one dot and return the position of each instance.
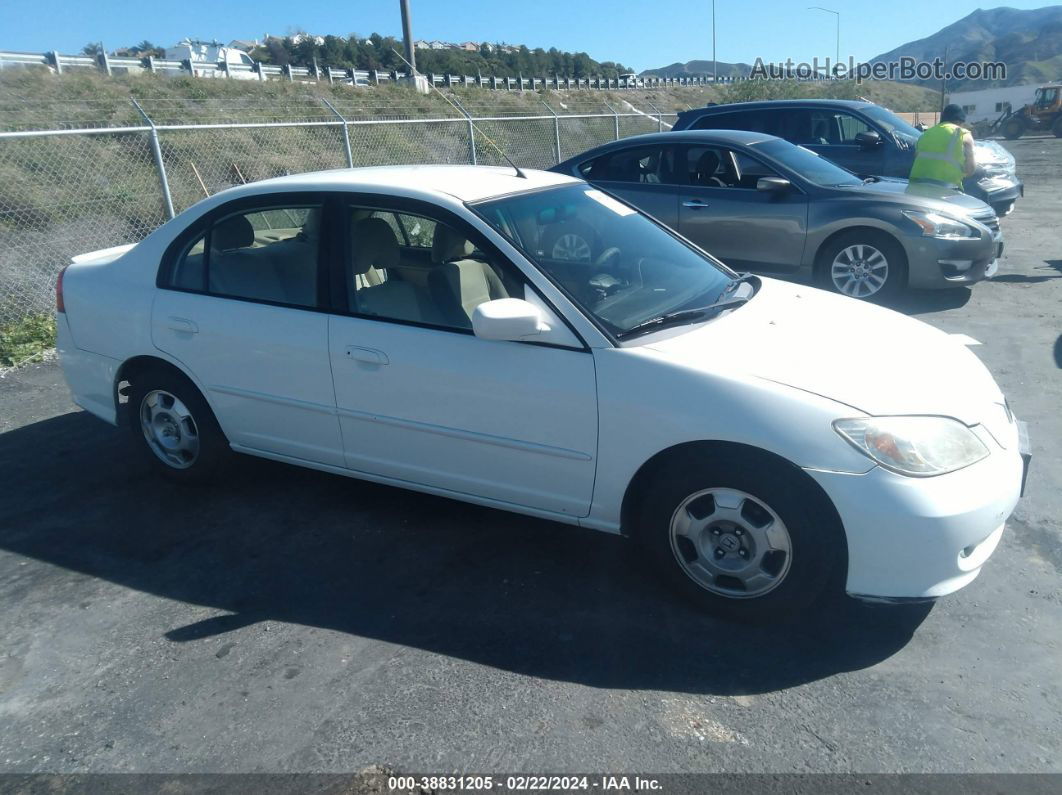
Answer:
(59, 305)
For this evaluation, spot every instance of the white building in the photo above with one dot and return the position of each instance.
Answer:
(989, 104)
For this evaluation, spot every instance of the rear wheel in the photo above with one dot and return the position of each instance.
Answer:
(863, 264)
(742, 537)
(1013, 128)
(174, 428)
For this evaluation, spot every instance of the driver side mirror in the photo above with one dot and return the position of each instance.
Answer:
(510, 319)
(868, 139)
(772, 184)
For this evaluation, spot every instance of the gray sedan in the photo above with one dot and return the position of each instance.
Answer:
(760, 203)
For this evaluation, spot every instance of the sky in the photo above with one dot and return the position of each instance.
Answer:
(642, 34)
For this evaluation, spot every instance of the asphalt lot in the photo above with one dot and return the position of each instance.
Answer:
(297, 621)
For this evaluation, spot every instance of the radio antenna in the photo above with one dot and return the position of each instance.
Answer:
(459, 109)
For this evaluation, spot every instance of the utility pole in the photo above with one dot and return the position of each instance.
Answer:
(715, 68)
(944, 81)
(407, 36)
(838, 15)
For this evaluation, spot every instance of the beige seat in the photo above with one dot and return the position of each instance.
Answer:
(374, 250)
(238, 269)
(458, 284)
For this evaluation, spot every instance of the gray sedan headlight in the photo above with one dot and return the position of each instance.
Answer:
(940, 226)
(914, 446)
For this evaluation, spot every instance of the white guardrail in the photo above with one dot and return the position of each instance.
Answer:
(111, 64)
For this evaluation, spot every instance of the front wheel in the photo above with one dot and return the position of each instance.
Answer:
(174, 428)
(1013, 128)
(742, 536)
(863, 264)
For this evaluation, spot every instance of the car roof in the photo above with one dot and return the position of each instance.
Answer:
(775, 103)
(723, 137)
(465, 183)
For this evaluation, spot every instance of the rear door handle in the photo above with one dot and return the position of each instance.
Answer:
(695, 204)
(367, 355)
(182, 324)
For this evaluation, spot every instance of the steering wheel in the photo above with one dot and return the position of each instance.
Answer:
(607, 257)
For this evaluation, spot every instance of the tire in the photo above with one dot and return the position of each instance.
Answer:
(1056, 128)
(570, 241)
(864, 264)
(1013, 128)
(1003, 208)
(781, 549)
(173, 428)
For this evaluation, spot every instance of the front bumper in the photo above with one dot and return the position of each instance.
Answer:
(933, 263)
(921, 538)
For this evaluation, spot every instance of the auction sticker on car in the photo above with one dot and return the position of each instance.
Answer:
(608, 201)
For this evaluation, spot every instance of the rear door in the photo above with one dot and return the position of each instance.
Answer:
(241, 308)
(721, 210)
(642, 175)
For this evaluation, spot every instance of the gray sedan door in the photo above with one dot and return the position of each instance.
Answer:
(721, 210)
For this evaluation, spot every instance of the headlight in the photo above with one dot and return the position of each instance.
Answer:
(941, 226)
(914, 446)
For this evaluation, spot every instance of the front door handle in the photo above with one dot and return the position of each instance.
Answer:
(367, 355)
(694, 204)
(182, 324)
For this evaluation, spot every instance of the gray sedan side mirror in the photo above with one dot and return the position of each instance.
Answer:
(772, 184)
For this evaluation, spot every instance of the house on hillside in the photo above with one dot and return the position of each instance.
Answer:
(420, 44)
(471, 46)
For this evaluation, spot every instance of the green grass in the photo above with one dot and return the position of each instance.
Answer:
(22, 340)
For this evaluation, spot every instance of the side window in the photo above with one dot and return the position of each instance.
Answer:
(709, 167)
(269, 254)
(647, 164)
(750, 120)
(850, 126)
(750, 170)
(389, 281)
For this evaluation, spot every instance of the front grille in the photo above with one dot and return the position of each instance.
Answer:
(991, 221)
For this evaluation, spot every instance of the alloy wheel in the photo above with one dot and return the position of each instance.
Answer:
(859, 270)
(571, 247)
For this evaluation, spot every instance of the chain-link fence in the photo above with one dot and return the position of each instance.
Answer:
(68, 191)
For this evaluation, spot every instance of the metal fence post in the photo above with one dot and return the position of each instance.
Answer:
(615, 117)
(103, 63)
(346, 131)
(659, 116)
(556, 130)
(160, 164)
(471, 132)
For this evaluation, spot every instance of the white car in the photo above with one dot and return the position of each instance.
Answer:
(764, 442)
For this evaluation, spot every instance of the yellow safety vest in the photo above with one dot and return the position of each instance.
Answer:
(939, 155)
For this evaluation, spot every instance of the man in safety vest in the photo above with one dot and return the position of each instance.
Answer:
(944, 154)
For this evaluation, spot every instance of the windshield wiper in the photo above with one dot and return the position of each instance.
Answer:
(685, 315)
(737, 281)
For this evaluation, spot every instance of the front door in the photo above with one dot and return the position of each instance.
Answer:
(423, 400)
(721, 211)
(833, 136)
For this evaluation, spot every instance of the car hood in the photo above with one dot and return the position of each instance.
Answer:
(873, 359)
(956, 201)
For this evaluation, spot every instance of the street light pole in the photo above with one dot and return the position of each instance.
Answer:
(838, 15)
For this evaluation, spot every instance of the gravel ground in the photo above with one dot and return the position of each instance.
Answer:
(296, 621)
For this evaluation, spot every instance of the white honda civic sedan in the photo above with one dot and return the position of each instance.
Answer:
(765, 443)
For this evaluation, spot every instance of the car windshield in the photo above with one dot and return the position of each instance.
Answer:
(893, 124)
(807, 164)
(615, 263)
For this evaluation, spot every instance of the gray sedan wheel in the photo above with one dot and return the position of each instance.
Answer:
(859, 271)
